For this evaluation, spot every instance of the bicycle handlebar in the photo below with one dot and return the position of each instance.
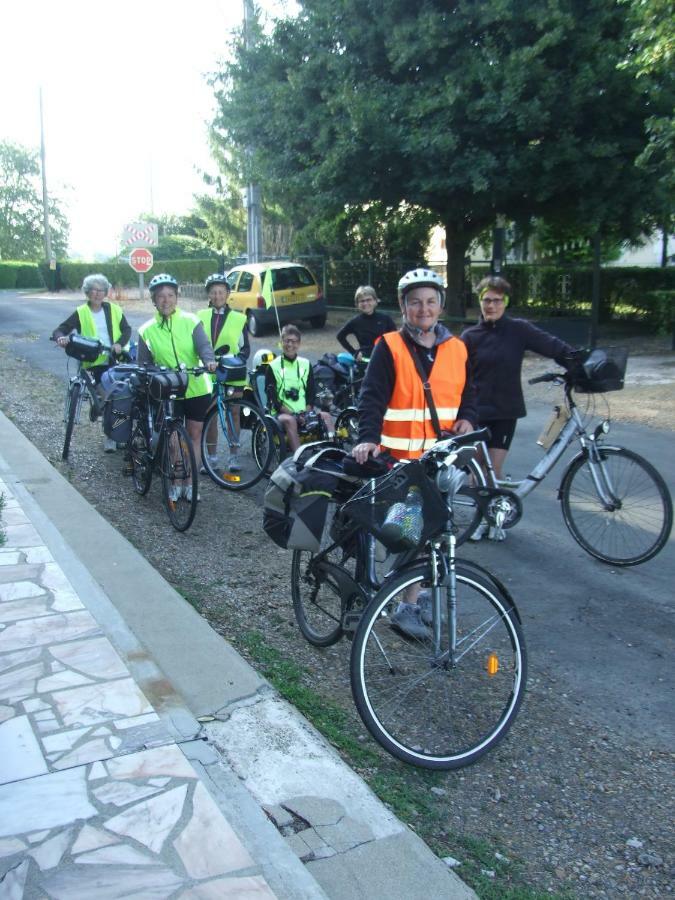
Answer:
(547, 376)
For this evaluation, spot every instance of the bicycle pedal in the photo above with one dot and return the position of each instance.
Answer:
(350, 621)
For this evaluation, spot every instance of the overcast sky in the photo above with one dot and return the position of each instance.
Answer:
(125, 102)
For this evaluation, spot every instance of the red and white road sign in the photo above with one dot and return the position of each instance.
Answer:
(141, 260)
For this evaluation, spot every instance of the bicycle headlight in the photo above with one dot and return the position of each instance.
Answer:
(602, 428)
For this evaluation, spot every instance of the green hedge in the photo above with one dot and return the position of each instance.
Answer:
(122, 275)
(20, 275)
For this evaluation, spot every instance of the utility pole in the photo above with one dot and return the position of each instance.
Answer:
(252, 196)
(45, 196)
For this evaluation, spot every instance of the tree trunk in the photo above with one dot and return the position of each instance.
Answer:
(665, 228)
(456, 244)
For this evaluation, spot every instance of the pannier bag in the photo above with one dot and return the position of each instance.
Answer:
(231, 368)
(82, 348)
(403, 509)
(297, 498)
(168, 384)
(117, 392)
(603, 371)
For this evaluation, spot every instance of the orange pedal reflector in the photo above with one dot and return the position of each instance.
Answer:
(492, 664)
(228, 476)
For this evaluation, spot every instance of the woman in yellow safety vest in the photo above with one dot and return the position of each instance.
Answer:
(174, 337)
(100, 320)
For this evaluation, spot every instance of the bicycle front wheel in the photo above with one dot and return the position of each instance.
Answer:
(636, 522)
(72, 404)
(180, 481)
(235, 437)
(445, 709)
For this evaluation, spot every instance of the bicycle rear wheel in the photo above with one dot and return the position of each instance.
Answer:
(347, 428)
(235, 437)
(440, 711)
(72, 405)
(637, 524)
(141, 459)
(179, 476)
(465, 511)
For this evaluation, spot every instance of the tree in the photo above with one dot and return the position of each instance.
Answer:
(464, 109)
(21, 214)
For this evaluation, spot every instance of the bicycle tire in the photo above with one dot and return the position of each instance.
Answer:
(347, 428)
(179, 472)
(140, 454)
(631, 534)
(317, 602)
(219, 438)
(73, 402)
(277, 448)
(466, 514)
(423, 711)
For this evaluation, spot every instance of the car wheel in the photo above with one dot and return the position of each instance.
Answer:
(255, 329)
(318, 321)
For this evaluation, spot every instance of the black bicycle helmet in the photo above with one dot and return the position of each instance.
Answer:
(160, 280)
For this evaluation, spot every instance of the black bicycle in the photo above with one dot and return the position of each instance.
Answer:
(159, 441)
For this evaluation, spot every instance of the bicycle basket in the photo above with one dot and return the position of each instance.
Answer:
(84, 349)
(231, 368)
(603, 371)
(164, 385)
(402, 510)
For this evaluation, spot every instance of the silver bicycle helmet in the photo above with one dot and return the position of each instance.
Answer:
(262, 356)
(160, 280)
(421, 278)
(216, 278)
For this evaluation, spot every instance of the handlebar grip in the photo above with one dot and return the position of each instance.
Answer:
(548, 376)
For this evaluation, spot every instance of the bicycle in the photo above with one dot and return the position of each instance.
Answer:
(232, 461)
(614, 503)
(159, 441)
(440, 702)
(81, 385)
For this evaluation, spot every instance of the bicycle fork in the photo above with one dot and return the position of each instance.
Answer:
(601, 479)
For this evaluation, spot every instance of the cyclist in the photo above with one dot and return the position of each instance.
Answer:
(393, 412)
(227, 332)
(101, 320)
(289, 385)
(496, 346)
(368, 326)
(173, 337)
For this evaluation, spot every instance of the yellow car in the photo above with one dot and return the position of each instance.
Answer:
(295, 293)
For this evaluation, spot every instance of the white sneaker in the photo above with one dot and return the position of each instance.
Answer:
(480, 531)
(174, 493)
(187, 493)
(496, 534)
(109, 446)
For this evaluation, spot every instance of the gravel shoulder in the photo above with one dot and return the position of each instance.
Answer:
(577, 810)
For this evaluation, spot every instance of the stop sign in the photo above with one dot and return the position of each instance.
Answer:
(141, 260)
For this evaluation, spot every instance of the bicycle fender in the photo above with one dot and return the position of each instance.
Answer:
(582, 454)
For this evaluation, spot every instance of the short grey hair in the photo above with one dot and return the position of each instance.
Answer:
(95, 282)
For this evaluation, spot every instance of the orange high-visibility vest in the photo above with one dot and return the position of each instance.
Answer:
(407, 430)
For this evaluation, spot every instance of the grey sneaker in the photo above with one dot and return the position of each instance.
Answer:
(407, 620)
(424, 603)
(496, 534)
(234, 465)
(480, 531)
(109, 446)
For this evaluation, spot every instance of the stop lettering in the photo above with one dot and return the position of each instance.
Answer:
(141, 260)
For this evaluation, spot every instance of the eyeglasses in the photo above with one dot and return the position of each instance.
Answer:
(286, 340)
(492, 300)
(97, 291)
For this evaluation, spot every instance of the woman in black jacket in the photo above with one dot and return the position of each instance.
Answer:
(496, 347)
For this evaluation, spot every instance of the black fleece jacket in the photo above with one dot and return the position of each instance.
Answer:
(496, 351)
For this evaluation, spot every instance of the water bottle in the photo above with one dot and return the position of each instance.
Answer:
(404, 521)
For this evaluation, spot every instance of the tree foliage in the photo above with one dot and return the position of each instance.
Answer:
(466, 109)
(21, 214)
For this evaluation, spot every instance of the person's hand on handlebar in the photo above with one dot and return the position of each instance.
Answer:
(63, 340)
(212, 366)
(362, 451)
(116, 349)
(462, 426)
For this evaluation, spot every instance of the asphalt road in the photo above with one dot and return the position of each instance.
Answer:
(604, 637)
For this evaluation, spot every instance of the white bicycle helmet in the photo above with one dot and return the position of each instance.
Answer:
(216, 278)
(160, 280)
(262, 356)
(421, 278)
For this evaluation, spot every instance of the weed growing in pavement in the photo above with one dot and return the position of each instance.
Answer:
(408, 792)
